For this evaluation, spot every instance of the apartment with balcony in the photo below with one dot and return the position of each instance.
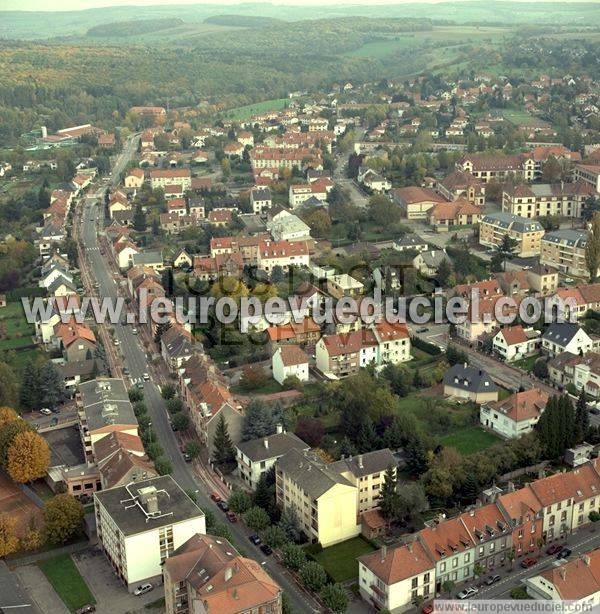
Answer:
(564, 250)
(528, 234)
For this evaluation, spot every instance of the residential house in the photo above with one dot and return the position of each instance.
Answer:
(515, 342)
(307, 333)
(498, 166)
(260, 199)
(516, 415)
(288, 228)
(344, 285)
(207, 573)
(410, 242)
(543, 279)
(457, 213)
(134, 178)
(566, 337)
(183, 260)
(76, 341)
(428, 262)
(257, 456)
(282, 254)
(176, 347)
(469, 384)
(289, 361)
(149, 259)
(528, 234)
(140, 525)
(524, 512)
(160, 178)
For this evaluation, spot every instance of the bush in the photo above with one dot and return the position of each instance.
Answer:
(168, 391)
(294, 556)
(313, 576)
(135, 395)
(174, 406)
(335, 598)
(163, 465)
(425, 346)
(519, 593)
(257, 519)
(273, 536)
(239, 501)
(594, 516)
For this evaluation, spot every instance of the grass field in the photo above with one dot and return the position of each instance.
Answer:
(340, 560)
(516, 116)
(67, 581)
(526, 364)
(15, 331)
(246, 112)
(469, 440)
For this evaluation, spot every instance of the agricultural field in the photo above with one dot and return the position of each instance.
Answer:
(246, 112)
(519, 117)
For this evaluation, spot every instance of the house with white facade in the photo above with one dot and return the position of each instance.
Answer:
(566, 337)
(516, 342)
(289, 361)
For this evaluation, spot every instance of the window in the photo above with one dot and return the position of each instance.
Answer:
(426, 578)
(415, 582)
(467, 557)
(455, 562)
(414, 595)
(443, 566)
(454, 576)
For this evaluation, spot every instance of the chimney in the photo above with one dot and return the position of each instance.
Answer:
(228, 574)
(409, 545)
(266, 443)
(383, 552)
(511, 487)
(279, 429)
(541, 474)
(563, 573)
(360, 461)
(472, 512)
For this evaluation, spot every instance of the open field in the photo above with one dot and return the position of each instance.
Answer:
(340, 560)
(522, 117)
(469, 440)
(15, 331)
(246, 112)
(67, 581)
(14, 503)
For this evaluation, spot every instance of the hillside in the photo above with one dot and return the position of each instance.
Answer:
(132, 28)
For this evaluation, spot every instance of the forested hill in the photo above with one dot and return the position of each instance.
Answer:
(44, 25)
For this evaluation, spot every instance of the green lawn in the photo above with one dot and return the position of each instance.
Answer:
(247, 111)
(469, 440)
(381, 49)
(67, 581)
(516, 116)
(340, 560)
(526, 364)
(15, 331)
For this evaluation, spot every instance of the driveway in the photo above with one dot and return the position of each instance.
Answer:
(111, 596)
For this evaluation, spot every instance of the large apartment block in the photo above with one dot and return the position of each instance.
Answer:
(499, 167)
(493, 227)
(160, 178)
(565, 251)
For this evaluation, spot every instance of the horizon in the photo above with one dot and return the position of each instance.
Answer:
(82, 5)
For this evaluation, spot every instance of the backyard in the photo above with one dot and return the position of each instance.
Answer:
(340, 560)
(469, 440)
(67, 581)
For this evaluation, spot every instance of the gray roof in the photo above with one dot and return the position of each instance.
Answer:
(434, 257)
(571, 238)
(512, 221)
(469, 378)
(366, 464)
(261, 194)
(61, 281)
(126, 508)
(106, 401)
(277, 445)
(561, 333)
(310, 472)
(143, 258)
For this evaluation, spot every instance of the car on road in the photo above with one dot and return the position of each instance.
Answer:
(142, 589)
(530, 561)
(140, 385)
(117, 342)
(423, 329)
(125, 371)
(492, 579)
(187, 458)
(222, 505)
(134, 331)
(467, 593)
(554, 548)
(45, 411)
(215, 497)
(86, 609)
(267, 549)
(255, 539)
(231, 516)
(565, 553)
(146, 376)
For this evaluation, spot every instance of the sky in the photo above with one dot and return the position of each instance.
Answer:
(73, 5)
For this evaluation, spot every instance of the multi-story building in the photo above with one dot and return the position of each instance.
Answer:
(589, 173)
(394, 579)
(207, 574)
(581, 371)
(542, 279)
(528, 234)
(516, 415)
(275, 158)
(498, 166)
(257, 456)
(140, 525)
(564, 250)
(415, 201)
(566, 337)
(459, 183)
(160, 178)
(524, 512)
(282, 254)
(542, 199)
(325, 503)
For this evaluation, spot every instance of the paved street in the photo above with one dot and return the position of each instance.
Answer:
(136, 359)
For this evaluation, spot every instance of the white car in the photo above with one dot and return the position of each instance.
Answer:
(146, 376)
(134, 331)
(142, 589)
(45, 411)
(467, 592)
(117, 342)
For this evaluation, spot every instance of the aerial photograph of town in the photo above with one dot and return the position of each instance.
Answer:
(299, 306)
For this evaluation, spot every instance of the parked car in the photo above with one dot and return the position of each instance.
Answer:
(215, 497)
(255, 539)
(134, 331)
(427, 609)
(117, 342)
(140, 385)
(530, 561)
(554, 548)
(565, 553)
(423, 329)
(266, 549)
(187, 458)
(222, 505)
(146, 377)
(231, 516)
(125, 371)
(45, 411)
(467, 593)
(86, 609)
(142, 589)
(492, 579)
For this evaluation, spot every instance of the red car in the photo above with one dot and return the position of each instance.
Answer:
(554, 549)
(427, 609)
(528, 562)
(231, 516)
(215, 497)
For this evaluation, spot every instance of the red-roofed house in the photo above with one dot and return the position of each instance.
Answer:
(516, 415)
(290, 361)
(516, 342)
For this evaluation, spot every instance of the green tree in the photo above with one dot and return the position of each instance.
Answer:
(7, 433)
(257, 519)
(223, 450)
(63, 518)
(9, 389)
(416, 456)
(258, 421)
(139, 219)
(30, 387)
(448, 586)
(163, 465)
(193, 449)
(51, 385)
(383, 211)
(389, 501)
(557, 428)
(168, 391)
(273, 536)
(239, 501)
(180, 421)
(334, 597)
(294, 556)
(313, 576)
(289, 524)
(507, 248)
(582, 417)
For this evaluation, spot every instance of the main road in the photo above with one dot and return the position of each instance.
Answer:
(136, 359)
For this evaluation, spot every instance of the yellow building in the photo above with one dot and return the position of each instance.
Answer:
(565, 250)
(528, 234)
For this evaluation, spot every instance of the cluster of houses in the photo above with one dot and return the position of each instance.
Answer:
(502, 527)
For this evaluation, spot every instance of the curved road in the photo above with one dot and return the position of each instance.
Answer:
(134, 356)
